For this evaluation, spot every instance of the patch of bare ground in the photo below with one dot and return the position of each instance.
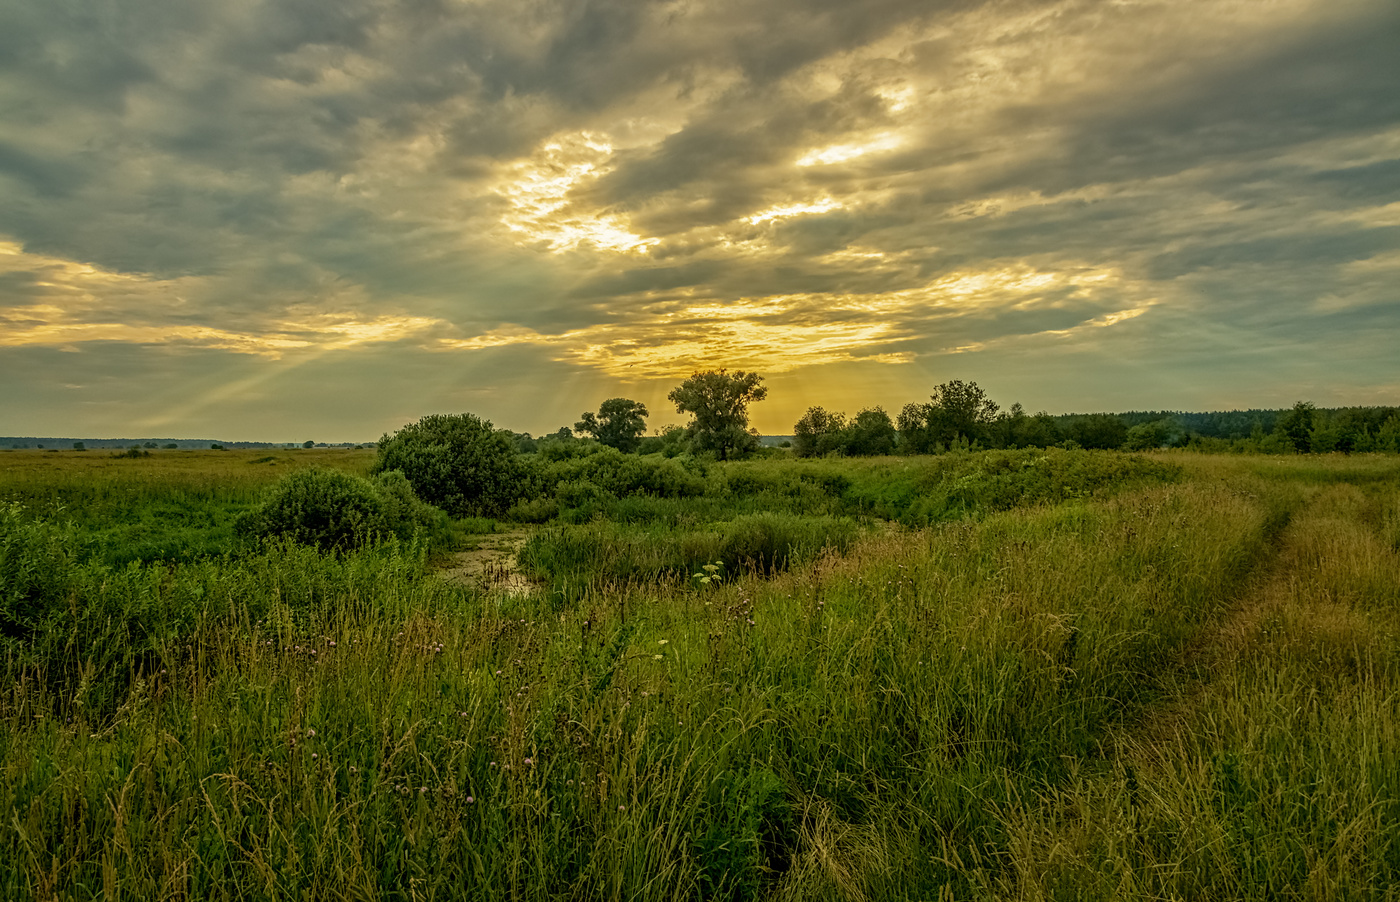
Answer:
(491, 565)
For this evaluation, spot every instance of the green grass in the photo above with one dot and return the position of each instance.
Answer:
(1089, 676)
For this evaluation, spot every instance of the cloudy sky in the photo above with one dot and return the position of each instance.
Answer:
(288, 219)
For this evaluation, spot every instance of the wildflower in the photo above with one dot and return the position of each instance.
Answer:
(657, 657)
(621, 807)
(529, 761)
(314, 756)
(663, 642)
(310, 732)
(471, 800)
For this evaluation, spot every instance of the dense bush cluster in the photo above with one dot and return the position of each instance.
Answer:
(332, 509)
(457, 462)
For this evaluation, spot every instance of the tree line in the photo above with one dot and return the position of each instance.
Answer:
(466, 466)
(960, 416)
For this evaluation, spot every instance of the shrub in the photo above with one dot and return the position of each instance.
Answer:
(536, 510)
(456, 462)
(405, 515)
(618, 474)
(331, 509)
(36, 569)
(583, 499)
(768, 542)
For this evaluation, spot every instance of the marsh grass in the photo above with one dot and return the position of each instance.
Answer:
(1179, 689)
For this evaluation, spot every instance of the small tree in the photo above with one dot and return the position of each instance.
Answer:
(620, 423)
(957, 411)
(308, 444)
(871, 433)
(818, 432)
(1297, 425)
(718, 402)
(1099, 430)
(1159, 433)
(456, 462)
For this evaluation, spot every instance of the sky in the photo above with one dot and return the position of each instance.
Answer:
(278, 220)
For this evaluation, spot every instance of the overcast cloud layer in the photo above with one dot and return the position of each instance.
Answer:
(326, 218)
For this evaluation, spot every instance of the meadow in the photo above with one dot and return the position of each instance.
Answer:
(1037, 674)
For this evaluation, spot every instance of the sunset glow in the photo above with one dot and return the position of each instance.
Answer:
(1081, 206)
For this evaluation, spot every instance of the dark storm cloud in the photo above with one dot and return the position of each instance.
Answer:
(1323, 83)
(45, 177)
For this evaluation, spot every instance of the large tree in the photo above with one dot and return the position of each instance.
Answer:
(718, 402)
(619, 424)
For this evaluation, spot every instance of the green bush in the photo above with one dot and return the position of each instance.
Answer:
(582, 499)
(456, 462)
(405, 515)
(331, 509)
(536, 510)
(621, 474)
(767, 542)
(36, 571)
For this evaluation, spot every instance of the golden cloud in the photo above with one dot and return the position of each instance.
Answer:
(73, 302)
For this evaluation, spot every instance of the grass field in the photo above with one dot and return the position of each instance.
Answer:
(1065, 675)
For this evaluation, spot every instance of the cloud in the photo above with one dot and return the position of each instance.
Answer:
(617, 192)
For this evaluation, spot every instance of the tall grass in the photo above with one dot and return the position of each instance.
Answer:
(1024, 704)
(170, 506)
(1278, 773)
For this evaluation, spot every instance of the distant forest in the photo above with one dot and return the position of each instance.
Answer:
(958, 416)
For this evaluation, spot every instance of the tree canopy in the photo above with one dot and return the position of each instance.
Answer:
(956, 410)
(457, 462)
(817, 433)
(619, 423)
(822, 432)
(718, 402)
